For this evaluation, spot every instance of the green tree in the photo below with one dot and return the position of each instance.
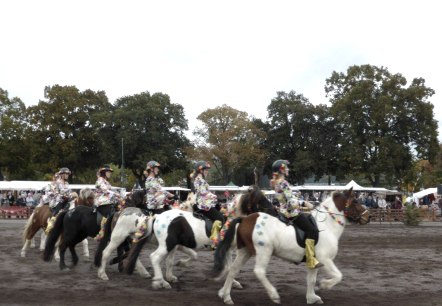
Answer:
(153, 129)
(384, 125)
(15, 153)
(230, 140)
(296, 134)
(66, 129)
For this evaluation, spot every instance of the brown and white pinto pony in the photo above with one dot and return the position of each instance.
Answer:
(262, 235)
(39, 220)
(177, 230)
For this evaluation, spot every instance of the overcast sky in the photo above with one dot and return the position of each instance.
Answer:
(204, 53)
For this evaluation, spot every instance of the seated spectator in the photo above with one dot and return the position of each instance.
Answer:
(369, 202)
(382, 203)
(30, 202)
(21, 201)
(11, 198)
(397, 203)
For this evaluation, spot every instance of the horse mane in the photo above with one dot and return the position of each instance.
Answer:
(254, 195)
(85, 193)
(136, 199)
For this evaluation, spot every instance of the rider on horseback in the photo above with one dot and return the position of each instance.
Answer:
(58, 195)
(205, 200)
(155, 196)
(290, 208)
(105, 199)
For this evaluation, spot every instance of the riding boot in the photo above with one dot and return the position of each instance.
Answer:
(50, 225)
(216, 227)
(311, 261)
(101, 232)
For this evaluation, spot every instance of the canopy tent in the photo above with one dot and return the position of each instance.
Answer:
(352, 183)
(229, 188)
(39, 185)
(424, 192)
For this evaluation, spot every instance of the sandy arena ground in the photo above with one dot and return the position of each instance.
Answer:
(381, 264)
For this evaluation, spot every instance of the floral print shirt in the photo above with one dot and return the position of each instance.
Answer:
(290, 206)
(155, 195)
(57, 190)
(204, 198)
(103, 193)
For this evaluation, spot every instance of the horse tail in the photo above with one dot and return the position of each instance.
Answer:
(224, 246)
(28, 227)
(135, 251)
(53, 236)
(104, 240)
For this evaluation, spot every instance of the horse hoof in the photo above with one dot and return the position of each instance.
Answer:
(147, 275)
(237, 285)
(23, 254)
(277, 301)
(181, 263)
(161, 284)
(86, 259)
(228, 302)
(315, 300)
(172, 279)
(103, 277)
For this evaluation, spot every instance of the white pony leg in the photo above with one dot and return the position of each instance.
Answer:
(241, 258)
(311, 296)
(169, 266)
(186, 261)
(57, 252)
(141, 269)
(117, 238)
(229, 262)
(42, 240)
(25, 246)
(335, 276)
(156, 258)
(33, 242)
(261, 263)
(85, 245)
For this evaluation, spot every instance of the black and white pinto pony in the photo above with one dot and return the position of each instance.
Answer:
(72, 227)
(181, 230)
(263, 236)
(39, 221)
(123, 227)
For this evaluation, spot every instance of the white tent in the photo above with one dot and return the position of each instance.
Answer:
(355, 186)
(39, 185)
(424, 192)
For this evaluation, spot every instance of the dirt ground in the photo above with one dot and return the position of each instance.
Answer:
(381, 264)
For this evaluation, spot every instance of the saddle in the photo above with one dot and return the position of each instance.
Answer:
(300, 234)
(208, 221)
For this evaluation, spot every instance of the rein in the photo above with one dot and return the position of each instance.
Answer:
(332, 214)
(345, 215)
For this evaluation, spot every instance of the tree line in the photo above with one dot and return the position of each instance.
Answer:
(378, 128)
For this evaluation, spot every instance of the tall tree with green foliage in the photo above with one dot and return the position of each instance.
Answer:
(153, 129)
(300, 133)
(385, 125)
(66, 129)
(15, 152)
(230, 140)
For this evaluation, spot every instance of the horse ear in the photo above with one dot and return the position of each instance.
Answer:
(348, 193)
(339, 199)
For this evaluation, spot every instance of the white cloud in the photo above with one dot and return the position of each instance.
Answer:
(205, 54)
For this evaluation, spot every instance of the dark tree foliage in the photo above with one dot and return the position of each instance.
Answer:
(153, 129)
(383, 124)
(65, 129)
(15, 152)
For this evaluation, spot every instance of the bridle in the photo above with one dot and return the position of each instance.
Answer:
(345, 214)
